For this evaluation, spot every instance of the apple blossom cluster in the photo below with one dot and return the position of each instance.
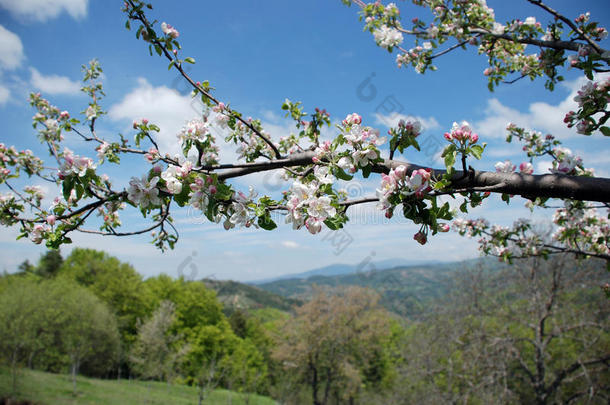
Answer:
(388, 37)
(463, 141)
(461, 133)
(581, 227)
(309, 130)
(306, 206)
(12, 162)
(311, 203)
(221, 116)
(418, 57)
(144, 192)
(169, 30)
(504, 242)
(404, 135)
(362, 140)
(592, 113)
(526, 168)
(473, 23)
(470, 227)
(109, 213)
(10, 209)
(566, 162)
(412, 190)
(49, 120)
(194, 130)
(250, 146)
(239, 212)
(397, 181)
(591, 28)
(355, 147)
(74, 164)
(537, 145)
(197, 133)
(505, 167)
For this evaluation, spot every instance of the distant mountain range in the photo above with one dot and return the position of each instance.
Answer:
(405, 289)
(340, 269)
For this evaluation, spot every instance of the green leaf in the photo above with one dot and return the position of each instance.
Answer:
(448, 149)
(450, 159)
(366, 171)
(68, 185)
(335, 222)
(477, 151)
(190, 60)
(605, 131)
(464, 206)
(340, 174)
(266, 222)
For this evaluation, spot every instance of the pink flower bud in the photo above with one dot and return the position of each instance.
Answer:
(144, 121)
(448, 136)
(389, 214)
(51, 220)
(400, 172)
(526, 168)
(444, 228)
(212, 189)
(420, 237)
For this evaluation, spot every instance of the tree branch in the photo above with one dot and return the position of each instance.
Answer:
(528, 186)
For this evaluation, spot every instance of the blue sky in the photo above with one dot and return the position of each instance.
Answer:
(256, 54)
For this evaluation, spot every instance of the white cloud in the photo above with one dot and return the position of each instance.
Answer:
(4, 94)
(11, 49)
(162, 106)
(540, 116)
(391, 120)
(53, 84)
(290, 244)
(42, 10)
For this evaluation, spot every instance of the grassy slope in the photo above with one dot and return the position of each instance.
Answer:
(50, 389)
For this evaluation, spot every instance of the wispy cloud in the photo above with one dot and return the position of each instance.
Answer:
(11, 49)
(540, 116)
(53, 84)
(163, 106)
(43, 10)
(5, 93)
(290, 244)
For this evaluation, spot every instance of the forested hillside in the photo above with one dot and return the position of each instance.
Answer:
(404, 290)
(533, 332)
(239, 296)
